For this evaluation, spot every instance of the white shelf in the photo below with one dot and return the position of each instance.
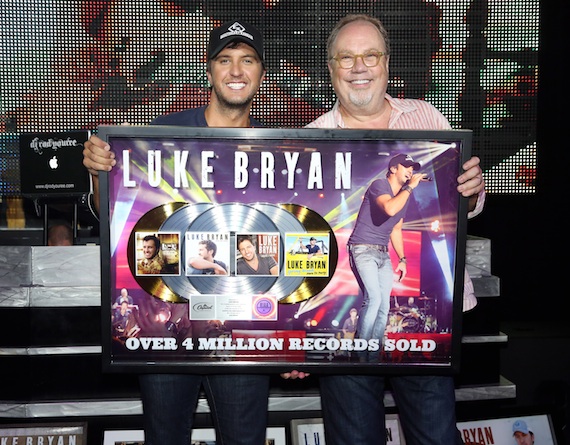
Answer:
(277, 402)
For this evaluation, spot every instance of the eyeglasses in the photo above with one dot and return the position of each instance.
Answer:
(370, 59)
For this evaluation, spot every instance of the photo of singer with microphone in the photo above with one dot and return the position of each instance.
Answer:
(379, 221)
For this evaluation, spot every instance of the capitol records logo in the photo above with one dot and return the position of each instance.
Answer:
(202, 308)
(264, 307)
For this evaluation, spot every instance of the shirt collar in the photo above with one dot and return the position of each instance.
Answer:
(399, 107)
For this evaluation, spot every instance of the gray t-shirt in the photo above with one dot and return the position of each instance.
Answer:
(264, 266)
(373, 226)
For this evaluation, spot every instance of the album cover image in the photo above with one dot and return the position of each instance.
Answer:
(207, 253)
(257, 254)
(307, 254)
(157, 253)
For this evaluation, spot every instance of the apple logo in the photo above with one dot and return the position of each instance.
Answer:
(53, 163)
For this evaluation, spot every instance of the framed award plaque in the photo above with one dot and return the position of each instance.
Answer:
(225, 250)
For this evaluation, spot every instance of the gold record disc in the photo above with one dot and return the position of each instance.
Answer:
(312, 222)
(151, 222)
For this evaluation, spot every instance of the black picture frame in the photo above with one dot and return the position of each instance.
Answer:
(273, 185)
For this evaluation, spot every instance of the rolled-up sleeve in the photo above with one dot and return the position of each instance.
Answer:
(479, 206)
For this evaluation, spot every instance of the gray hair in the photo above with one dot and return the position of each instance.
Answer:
(350, 18)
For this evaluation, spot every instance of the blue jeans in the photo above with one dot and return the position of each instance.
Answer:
(238, 406)
(353, 409)
(373, 271)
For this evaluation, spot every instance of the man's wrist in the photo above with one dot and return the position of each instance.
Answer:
(403, 260)
(407, 188)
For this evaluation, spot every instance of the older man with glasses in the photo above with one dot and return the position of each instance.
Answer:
(358, 51)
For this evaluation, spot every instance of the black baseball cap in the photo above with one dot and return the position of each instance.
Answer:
(235, 31)
(405, 160)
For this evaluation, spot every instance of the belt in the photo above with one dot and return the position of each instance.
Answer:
(379, 247)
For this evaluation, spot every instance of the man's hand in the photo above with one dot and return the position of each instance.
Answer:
(295, 375)
(471, 181)
(402, 269)
(97, 156)
(416, 179)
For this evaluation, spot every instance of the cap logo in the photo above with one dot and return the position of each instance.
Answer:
(236, 30)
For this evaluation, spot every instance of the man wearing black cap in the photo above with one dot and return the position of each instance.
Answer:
(235, 69)
(238, 403)
(378, 223)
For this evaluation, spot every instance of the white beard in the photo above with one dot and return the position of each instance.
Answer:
(360, 99)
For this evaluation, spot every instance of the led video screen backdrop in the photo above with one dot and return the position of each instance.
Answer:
(68, 65)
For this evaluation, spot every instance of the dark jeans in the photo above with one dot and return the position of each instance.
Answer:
(238, 406)
(353, 409)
